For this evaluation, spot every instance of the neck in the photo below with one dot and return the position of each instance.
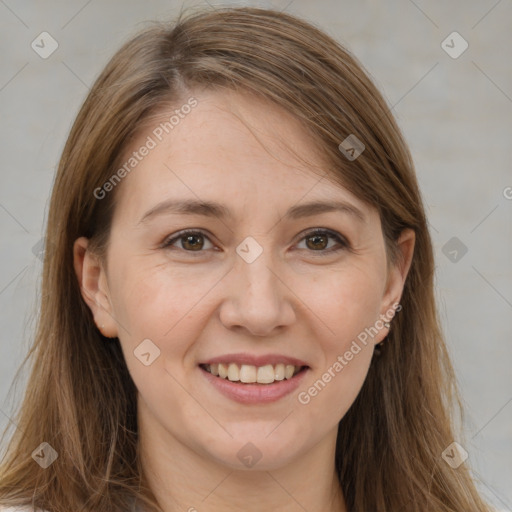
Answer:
(181, 478)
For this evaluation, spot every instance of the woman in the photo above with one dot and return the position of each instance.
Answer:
(238, 292)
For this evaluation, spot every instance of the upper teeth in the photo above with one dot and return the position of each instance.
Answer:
(249, 373)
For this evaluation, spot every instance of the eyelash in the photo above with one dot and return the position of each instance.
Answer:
(343, 243)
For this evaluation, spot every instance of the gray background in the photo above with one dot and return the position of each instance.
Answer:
(456, 115)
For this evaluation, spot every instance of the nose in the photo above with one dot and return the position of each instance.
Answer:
(256, 298)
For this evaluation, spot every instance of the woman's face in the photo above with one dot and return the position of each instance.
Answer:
(252, 286)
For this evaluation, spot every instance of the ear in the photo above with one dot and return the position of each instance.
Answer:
(92, 280)
(397, 274)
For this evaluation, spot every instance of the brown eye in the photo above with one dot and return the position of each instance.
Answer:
(192, 242)
(319, 239)
(189, 241)
(316, 242)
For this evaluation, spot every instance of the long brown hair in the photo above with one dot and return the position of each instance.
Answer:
(80, 397)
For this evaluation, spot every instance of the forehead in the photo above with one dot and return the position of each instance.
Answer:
(231, 147)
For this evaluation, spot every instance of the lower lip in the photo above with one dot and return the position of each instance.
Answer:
(255, 393)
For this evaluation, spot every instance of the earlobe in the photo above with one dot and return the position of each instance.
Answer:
(397, 274)
(93, 286)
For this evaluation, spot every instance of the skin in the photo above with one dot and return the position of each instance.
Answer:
(298, 298)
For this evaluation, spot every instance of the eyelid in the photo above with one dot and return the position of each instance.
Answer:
(342, 241)
(169, 240)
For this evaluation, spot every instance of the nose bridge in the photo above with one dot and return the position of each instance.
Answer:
(259, 275)
(254, 270)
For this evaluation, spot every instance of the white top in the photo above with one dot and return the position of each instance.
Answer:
(18, 509)
(3, 508)
(28, 509)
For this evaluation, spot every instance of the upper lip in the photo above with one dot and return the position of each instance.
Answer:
(254, 360)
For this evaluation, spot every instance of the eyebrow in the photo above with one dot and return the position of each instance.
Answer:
(217, 210)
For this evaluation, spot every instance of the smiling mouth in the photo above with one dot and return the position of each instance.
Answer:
(249, 374)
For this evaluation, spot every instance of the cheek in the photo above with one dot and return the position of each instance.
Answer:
(148, 295)
(347, 301)
(345, 383)
(333, 387)
(163, 304)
